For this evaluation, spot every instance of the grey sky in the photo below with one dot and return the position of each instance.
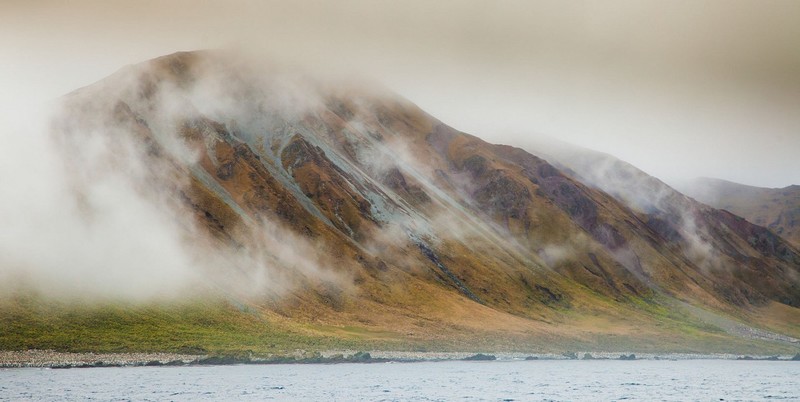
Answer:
(678, 88)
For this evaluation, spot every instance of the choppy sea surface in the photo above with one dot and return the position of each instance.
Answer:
(543, 380)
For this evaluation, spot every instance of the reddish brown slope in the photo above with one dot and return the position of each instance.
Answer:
(775, 208)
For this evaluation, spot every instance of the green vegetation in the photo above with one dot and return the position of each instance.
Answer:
(232, 332)
(197, 327)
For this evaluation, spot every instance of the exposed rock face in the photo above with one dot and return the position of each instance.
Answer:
(415, 212)
(396, 181)
(326, 185)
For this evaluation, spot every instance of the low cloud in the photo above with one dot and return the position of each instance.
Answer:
(87, 212)
(107, 239)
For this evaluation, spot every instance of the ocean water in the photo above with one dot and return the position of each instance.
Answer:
(551, 380)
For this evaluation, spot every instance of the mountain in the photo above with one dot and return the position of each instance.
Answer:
(714, 240)
(332, 212)
(775, 208)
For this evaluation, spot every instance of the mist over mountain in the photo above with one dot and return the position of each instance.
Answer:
(320, 202)
(775, 208)
(679, 89)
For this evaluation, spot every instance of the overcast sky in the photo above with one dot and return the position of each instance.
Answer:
(678, 88)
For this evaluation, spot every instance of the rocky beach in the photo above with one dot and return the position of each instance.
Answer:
(53, 359)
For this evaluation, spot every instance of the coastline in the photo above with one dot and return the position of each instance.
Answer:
(36, 358)
(53, 359)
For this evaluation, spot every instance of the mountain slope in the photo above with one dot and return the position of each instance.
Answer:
(775, 208)
(340, 210)
(714, 240)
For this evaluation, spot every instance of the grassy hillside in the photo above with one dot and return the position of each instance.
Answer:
(221, 327)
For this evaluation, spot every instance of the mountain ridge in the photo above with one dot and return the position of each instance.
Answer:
(775, 208)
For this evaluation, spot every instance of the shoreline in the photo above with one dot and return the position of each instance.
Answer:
(36, 358)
